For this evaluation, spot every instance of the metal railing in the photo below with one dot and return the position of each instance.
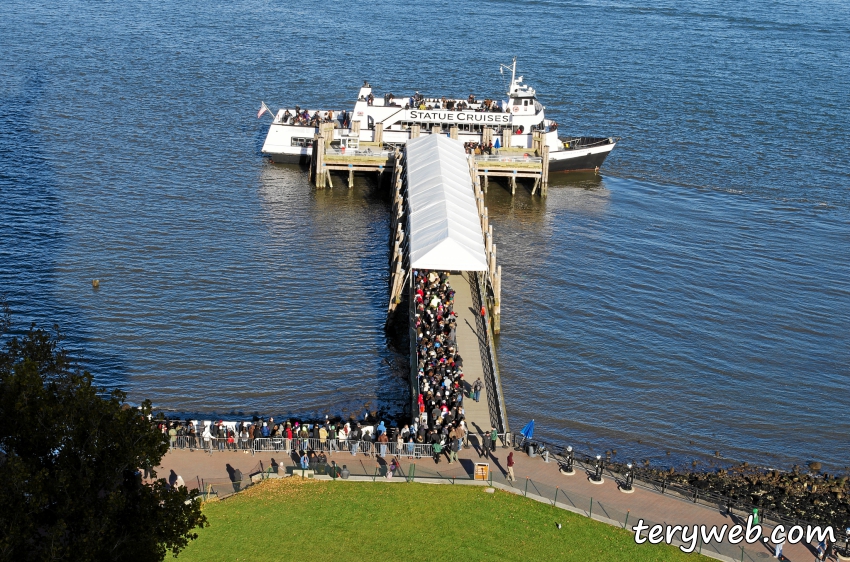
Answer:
(365, 152)
(496, 402)
(576, 143)
(643, 478)
(305, 444)
(509, 158)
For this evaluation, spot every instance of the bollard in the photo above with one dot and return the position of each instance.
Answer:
(626, 524)
(546, 455)
(742, 554)
(526, 486)
(590, 515)
(556, 496)
(413, 472)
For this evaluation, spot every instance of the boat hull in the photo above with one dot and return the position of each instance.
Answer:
(578, 163)
(281, 158)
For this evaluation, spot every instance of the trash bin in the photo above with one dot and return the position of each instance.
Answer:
(531, 452)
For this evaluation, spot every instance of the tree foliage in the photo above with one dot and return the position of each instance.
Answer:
(70, 460)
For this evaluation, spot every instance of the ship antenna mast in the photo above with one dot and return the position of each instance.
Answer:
(512, 68)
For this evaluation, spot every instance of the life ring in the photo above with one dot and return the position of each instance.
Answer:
(516, 108)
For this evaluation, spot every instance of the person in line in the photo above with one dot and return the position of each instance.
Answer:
(454, 449)
(438, 449)
(383, 440)
(332, 438)
(476, 389)
(511, 467)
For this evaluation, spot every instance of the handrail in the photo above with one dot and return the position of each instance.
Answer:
(683, 491)
(303, 444)
(358, 152)
(508, 158)
(494, 382)
(575, 143)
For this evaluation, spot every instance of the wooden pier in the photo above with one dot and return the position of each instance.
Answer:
(368, 157)
(510, 163)
(514, 163)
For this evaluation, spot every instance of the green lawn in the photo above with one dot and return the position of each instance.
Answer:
(291, 519)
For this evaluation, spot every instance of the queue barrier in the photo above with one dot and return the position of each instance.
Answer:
(303, 444)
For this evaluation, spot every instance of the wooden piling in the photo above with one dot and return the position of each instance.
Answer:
(415, 131)
(453, 132)
(319, 175)
(350, 178)
(544, 173)
(506, 137)
(379, 134)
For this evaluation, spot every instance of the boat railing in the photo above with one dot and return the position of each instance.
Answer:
(574, 143)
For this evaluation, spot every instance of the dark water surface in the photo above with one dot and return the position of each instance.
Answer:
(696, 297)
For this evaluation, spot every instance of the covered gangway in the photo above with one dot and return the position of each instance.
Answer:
(443, 224)
(438, 222)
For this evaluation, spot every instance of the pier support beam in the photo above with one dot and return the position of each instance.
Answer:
(544, 173)
(506, 137)
(350, 178)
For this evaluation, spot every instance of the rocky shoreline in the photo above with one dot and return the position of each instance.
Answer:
(799, 494)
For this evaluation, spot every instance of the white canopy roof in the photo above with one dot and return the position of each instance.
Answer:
(443, 223)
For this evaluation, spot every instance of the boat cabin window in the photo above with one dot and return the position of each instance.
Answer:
(302, 141)
(525, 102)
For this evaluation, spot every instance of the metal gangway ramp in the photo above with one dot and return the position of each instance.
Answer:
(439, 223)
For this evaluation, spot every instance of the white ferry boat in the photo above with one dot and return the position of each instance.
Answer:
(492, 126)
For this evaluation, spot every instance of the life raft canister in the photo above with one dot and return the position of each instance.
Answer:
(516, 108)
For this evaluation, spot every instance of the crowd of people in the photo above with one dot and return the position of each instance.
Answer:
(478, 148)
(303, 118)
(311, 441)
(440, 365)
(418, 101)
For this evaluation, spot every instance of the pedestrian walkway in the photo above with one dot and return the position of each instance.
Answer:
(477, 414)
(536, 478)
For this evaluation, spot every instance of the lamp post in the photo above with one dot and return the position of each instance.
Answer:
(567, 469)
(626, 486)
(596, 478)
